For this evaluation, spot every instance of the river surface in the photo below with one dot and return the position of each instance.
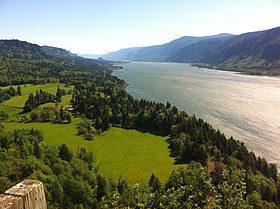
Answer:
(245, 107)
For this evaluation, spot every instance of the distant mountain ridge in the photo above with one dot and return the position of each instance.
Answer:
(20, 50)
(90, 56)
(27, 51)
(58, 52)
(251, 53)
(159, 52)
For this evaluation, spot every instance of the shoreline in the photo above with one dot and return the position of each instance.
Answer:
(254, 72)
(246, 138)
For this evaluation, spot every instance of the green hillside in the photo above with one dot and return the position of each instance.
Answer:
(104, 132)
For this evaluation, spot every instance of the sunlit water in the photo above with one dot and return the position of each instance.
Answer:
(246, 107)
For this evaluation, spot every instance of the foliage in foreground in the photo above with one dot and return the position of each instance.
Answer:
(72, 180)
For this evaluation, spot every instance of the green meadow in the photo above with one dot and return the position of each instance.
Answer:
(14, 105)
(128, 153)
(18, 101)
(10, 110)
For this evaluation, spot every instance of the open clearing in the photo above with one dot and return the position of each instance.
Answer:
(15, 105)
(19, 101)
(127, 153)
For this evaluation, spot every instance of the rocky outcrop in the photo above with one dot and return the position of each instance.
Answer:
(28, 194)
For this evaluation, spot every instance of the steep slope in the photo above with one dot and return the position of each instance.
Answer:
(246, 52)
(20, 50)
(122, 54)
(57, 52)
(163, 52)
(22, 62)
(159, 52)
(202, 51)
(252, 53)
(257, 50)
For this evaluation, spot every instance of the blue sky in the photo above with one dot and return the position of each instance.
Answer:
(101, 26)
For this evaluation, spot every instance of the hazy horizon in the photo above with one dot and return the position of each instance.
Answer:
(99, 27)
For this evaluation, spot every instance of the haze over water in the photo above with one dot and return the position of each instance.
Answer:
(245, 107)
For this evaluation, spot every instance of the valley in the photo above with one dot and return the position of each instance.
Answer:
(92, 144)
(140, 104)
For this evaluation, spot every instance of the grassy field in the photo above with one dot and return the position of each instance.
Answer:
(18, 101)
(133, 155)
(14, 105)
(127, 153)
(10, 110)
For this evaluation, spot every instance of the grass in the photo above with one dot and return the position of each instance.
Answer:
(10, 110)
(127, 153)
(133, 155)
(19, 101)
(15, 105)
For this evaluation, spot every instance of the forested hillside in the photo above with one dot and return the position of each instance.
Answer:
(255, 53)
(160, 52)
(58, 52)
(251, 53)
(20, 50)
(215, 171)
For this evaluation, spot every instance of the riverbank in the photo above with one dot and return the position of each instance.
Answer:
(245, 107)
(260, 72)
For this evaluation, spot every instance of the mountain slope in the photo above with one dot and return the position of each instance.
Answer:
(22, 62)
(159, 52)
(57, 52)
(249, 51)
(197, 52)
(20, 50)
(122, 54)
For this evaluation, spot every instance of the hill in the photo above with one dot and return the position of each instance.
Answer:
(123, 54)
(251, 53)
(20, 50)
(58, 52)
(159, 52)
(22, 63)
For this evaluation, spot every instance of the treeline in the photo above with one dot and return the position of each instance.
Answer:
(7, 94)
(51, 114)
(47, 114)
(71, 179)
(15, 71)
(42, 97)
(191, 139)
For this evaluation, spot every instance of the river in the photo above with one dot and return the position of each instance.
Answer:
(245, 107)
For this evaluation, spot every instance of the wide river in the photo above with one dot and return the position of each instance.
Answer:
(242, 106)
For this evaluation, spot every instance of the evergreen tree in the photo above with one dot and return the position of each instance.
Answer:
(19, 92)
(58, 94)
(37, 150)
(65, 153)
